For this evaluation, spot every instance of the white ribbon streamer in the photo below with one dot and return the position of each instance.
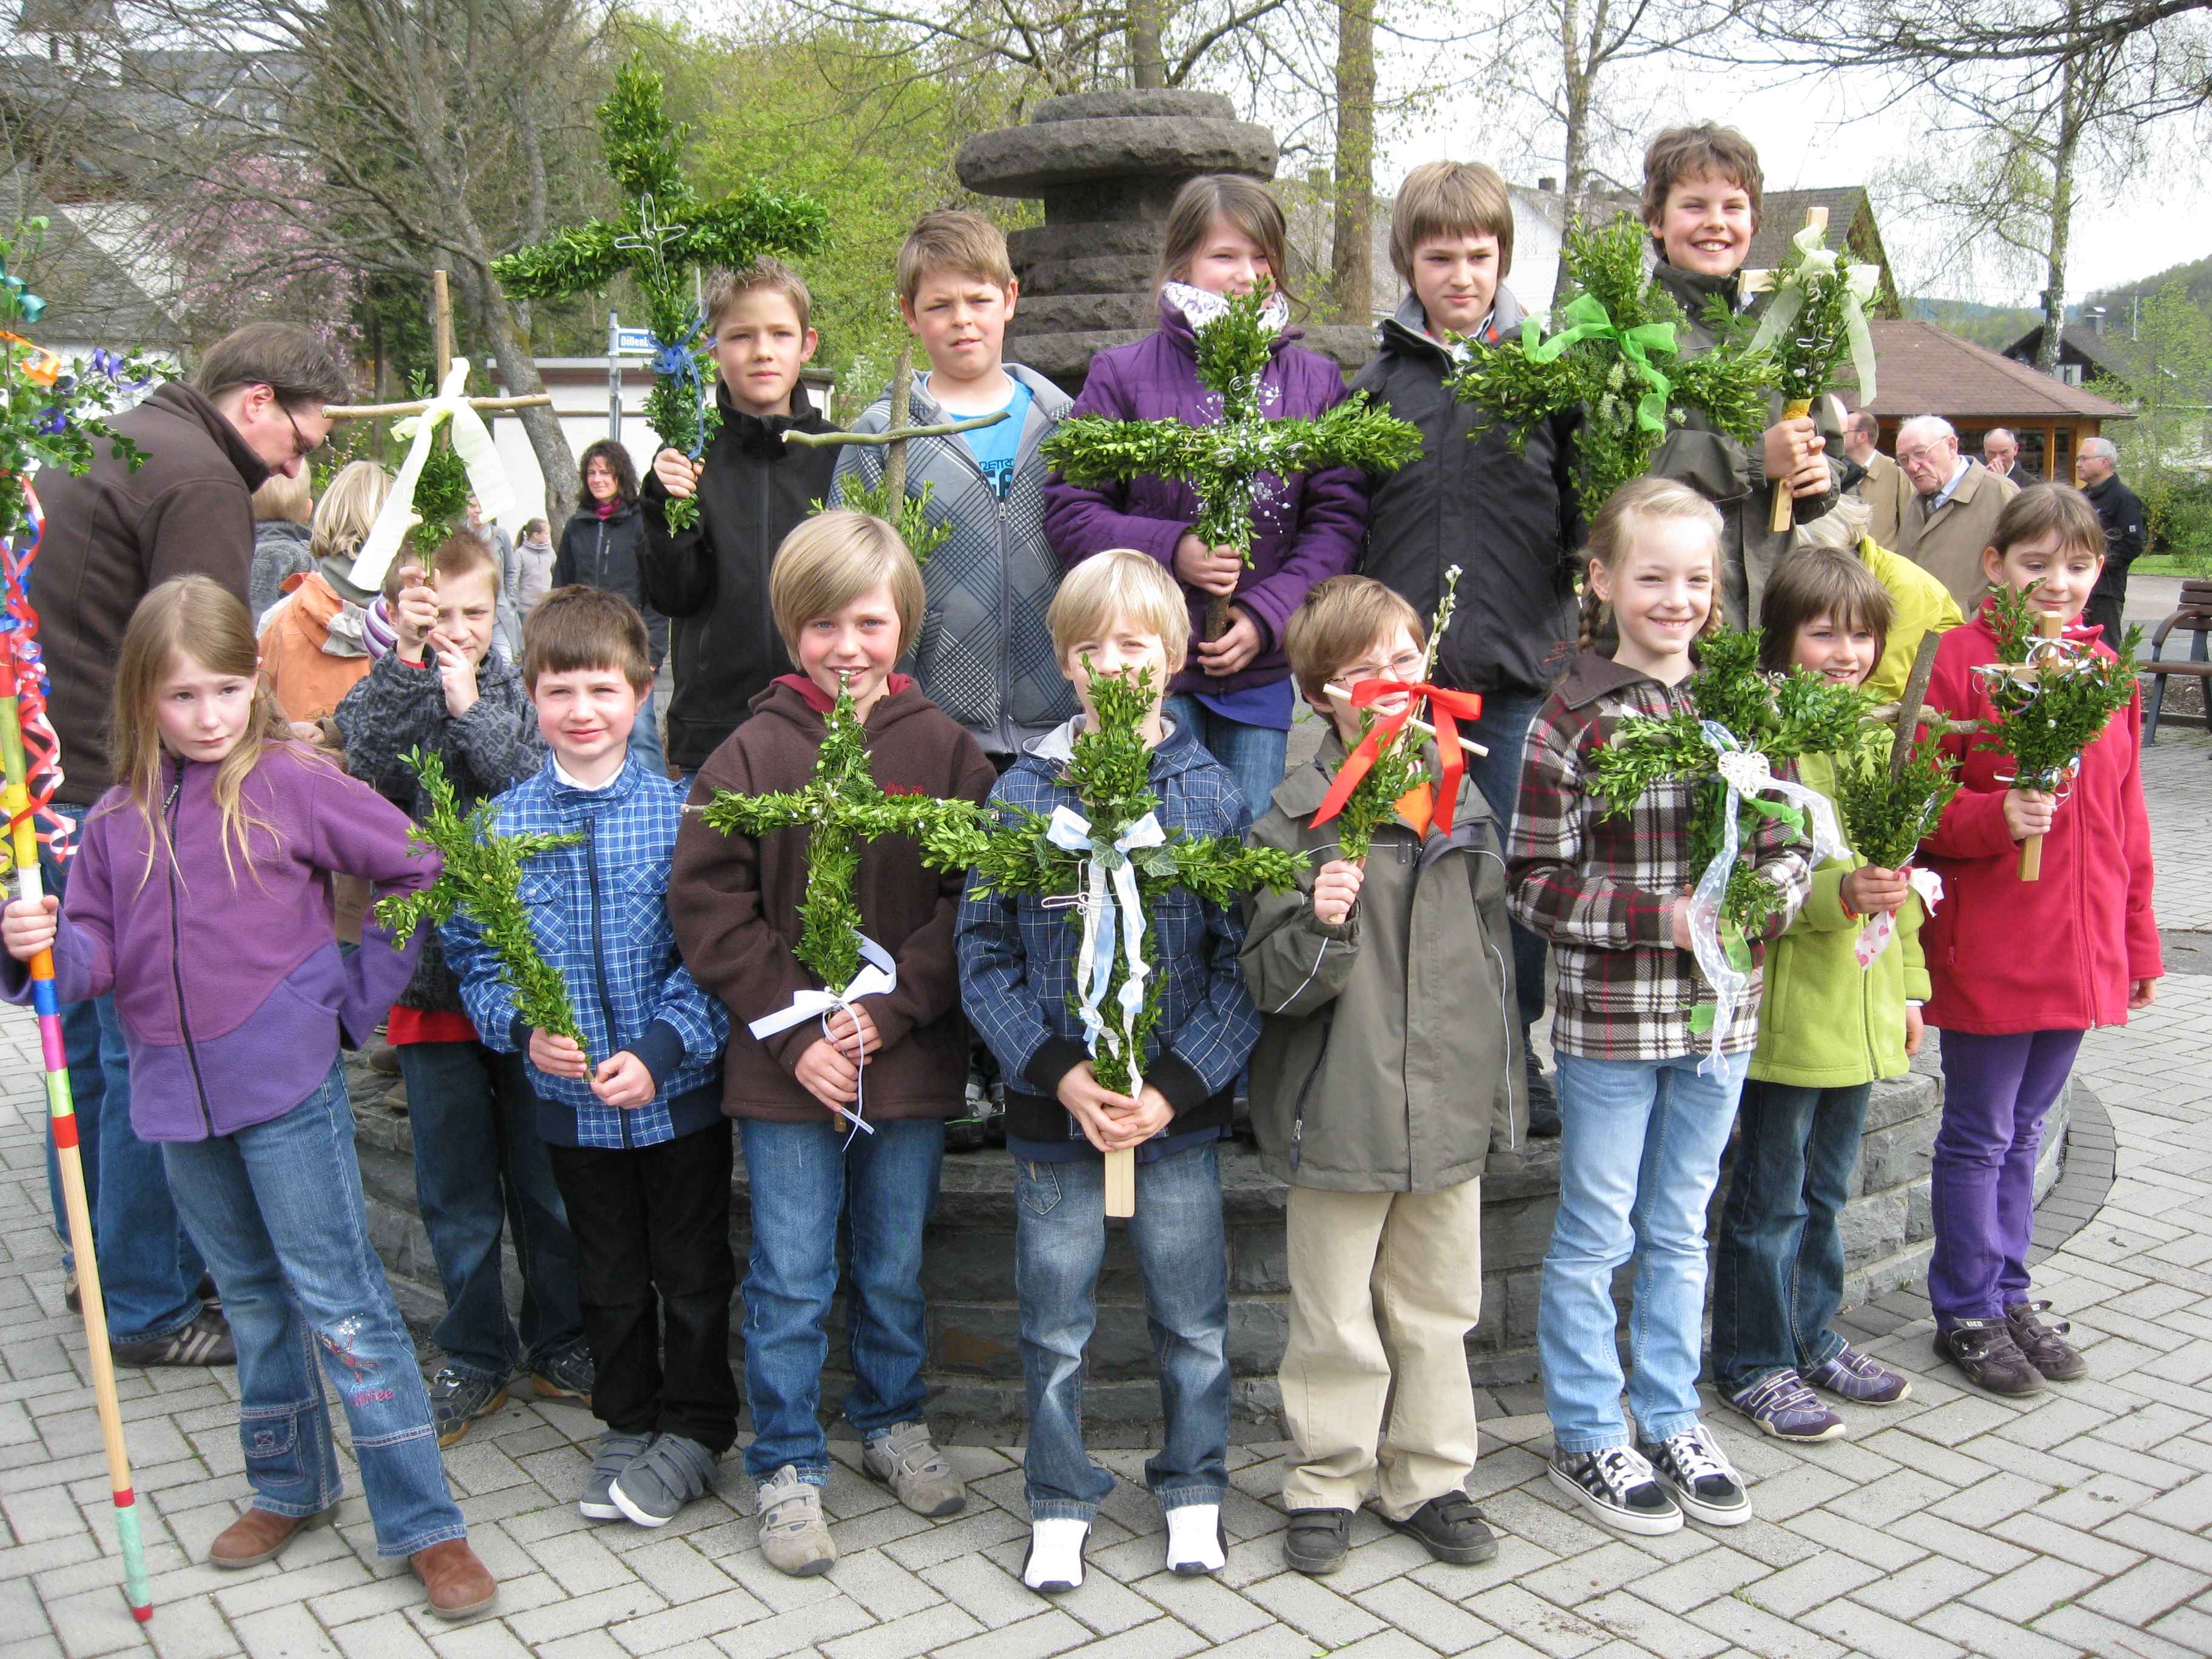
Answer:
(472, 442)
(1109, 886)
(1875, 937)
(878, 976)
(1861, 281)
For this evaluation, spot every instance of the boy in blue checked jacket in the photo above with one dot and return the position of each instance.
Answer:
(1120, 610)
(641, 1150)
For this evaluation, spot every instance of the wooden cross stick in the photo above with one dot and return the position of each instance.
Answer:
(1908, 706)
(441, 313)
(1342, 695)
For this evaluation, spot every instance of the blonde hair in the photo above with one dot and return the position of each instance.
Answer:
(1119, 582)
(457, 555)
(348, 510)
(955, 240)
(577, 628)
(287, 499)
(1814, 582)
(725, 288)
(1613, 534)
(1241, 204)
(1342, 618)
(191, 619)
(1705, 150)
(1450, 199)
(836, 557)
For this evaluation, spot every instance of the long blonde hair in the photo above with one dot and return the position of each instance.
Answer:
(348, 510)
(190, 619)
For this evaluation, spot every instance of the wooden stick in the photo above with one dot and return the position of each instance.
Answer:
(1121, 1183)
(1467, 744)
(482, 405)
(441, 322)
(2051, 626)
(1786, 498)
(1909, 706)
(895, 435)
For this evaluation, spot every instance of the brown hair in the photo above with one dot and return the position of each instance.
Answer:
(725, 288)
(955, 240)
(283, 356)
(577, 628)
(836, 557)
(2041, 508)
(463, 551)
(1613, 539)
(536, 524)
(1245, 204)
(1342, 618)
(287, 499)
(619, 463)
(1814, 582)
(1450, 199)
(1695, 152)
(1119, 582)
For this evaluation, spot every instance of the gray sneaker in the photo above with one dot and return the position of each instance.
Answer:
(459, 1399)
(794, 1536)
(663, 1478)
(909, 1462)
(616, 1452)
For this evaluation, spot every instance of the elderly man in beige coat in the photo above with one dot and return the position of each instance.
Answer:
(1883, 489)
(1953, 510)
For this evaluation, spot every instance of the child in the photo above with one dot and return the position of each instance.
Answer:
(978, 656)
(235, 1018)
(1644, 1125)
(477, 1158)
(603, 546)
(1225, 236)
(1828, 1027)
(313, 652)
(533, 565)
(1701, 197)
(2013, 1018)
(284, 509)
(1118, 612)
(712, 578)
(847, 596)
(1386, 987)
(640, 1150)
(1506, 516)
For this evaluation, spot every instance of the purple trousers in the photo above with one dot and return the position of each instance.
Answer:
(1996, 1091)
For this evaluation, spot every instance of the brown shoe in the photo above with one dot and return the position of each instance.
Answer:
(2043, 1343)
(1985, 1350)
(257, 1536)
(459, 1583)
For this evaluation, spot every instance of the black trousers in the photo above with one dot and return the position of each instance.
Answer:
(2105, 610)
(655, 1277)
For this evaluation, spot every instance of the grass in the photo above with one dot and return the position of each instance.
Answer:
(2173, 564)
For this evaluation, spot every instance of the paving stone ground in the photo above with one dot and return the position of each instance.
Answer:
(2078, 1522)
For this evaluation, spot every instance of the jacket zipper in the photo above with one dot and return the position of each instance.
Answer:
(599, 951)
(176, 957)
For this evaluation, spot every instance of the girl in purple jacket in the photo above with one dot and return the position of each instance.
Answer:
(1225, 236)
(200, 898)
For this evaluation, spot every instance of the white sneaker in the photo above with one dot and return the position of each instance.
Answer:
(1196, 1544)
(1054, 1565)
(1692, 1467)
(1617, 1488)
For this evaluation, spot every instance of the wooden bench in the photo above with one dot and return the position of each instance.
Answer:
(2195, 618)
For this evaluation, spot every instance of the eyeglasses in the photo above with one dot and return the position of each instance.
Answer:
(1406, 666)
(300, 447)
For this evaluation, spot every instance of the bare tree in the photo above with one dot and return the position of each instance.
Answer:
(1352, 275)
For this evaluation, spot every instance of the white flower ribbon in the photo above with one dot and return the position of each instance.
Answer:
(1109, 886)
(1875, 937)
(472, 442)
(1745, 772)
(1861, 281)
(878, 976)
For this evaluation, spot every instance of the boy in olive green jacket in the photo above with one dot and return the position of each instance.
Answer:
(1386, 1077)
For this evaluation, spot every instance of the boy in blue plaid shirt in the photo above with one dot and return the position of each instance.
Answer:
(641, 1150)
(1121, 611)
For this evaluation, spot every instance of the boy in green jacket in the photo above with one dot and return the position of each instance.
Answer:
(1827, 1027)
(1386, 989)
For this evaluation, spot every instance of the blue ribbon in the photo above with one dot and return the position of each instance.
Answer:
(680, 358)
(21, 301)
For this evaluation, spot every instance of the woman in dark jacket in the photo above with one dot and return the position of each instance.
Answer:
(603, 545)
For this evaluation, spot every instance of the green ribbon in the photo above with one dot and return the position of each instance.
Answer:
(1586, 319)
(23, 303)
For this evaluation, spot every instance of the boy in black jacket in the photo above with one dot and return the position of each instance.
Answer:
(753, 489)
(1511, 521)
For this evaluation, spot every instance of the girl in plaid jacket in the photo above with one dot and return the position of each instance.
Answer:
(1645, 1126)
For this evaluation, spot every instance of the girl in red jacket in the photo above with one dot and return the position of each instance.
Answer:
(2021, 970)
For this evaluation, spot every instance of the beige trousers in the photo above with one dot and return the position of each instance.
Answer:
(1384, 1288)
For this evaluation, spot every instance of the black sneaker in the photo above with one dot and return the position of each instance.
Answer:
(1694, 1469)
(1616, 1486)
(458, 1399)
(1317, 1540)
(1451, 1528)
(2044, 1343)
(564, 1374)
(71, 1297)
(1543, 1099)
(1985, 1350)
(205, 1341)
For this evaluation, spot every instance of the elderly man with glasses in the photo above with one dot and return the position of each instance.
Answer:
(2097, 467)
(1951, 510)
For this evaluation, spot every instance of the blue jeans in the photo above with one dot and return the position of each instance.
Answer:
(1059, 1243)
(1779, 1278)
(479, 1162)
(1639, 1151)
(1503, 730)
(1253, 753)
(803, 1182)
(280, 1204)
(645, 741)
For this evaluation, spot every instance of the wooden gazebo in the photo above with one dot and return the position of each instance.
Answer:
(1920, 369)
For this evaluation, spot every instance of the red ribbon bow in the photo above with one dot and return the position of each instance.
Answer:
(1443, 708)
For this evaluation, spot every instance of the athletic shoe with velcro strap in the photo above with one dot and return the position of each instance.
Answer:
(1781, 1405)
(1692, 1466)
(1616, 1485)
(1859, 1378)
(2045, 1343)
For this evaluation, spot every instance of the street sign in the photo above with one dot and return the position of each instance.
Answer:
(632, 342)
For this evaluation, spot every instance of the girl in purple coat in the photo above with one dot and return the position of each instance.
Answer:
(200, 897)
(1225, 236)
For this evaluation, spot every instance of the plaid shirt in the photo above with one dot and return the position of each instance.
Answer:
(600, 912)
(1598, 888)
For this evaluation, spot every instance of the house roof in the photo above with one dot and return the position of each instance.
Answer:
(1922, 370)
(2102, 350)
(1781, 216)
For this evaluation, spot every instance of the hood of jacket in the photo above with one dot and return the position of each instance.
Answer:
(1405, 330)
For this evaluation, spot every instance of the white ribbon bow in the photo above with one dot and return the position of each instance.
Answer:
(1107, 891)
(1861, 281)
(472, 442)
(878, 976)
(1875, 937)
(1745, 772)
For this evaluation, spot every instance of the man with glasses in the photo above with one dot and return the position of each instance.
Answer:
(1953, 510)
(254, 407)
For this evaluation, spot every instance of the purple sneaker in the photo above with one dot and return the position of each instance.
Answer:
(1857, 1377)
(1781, 1405)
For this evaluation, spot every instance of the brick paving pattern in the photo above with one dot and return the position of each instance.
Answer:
(2077, 1521)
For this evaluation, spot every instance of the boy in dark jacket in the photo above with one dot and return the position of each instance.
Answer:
(847, 596)
(712, 578)
(1509, 517)
(1384, 1079)
(477, 1158)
